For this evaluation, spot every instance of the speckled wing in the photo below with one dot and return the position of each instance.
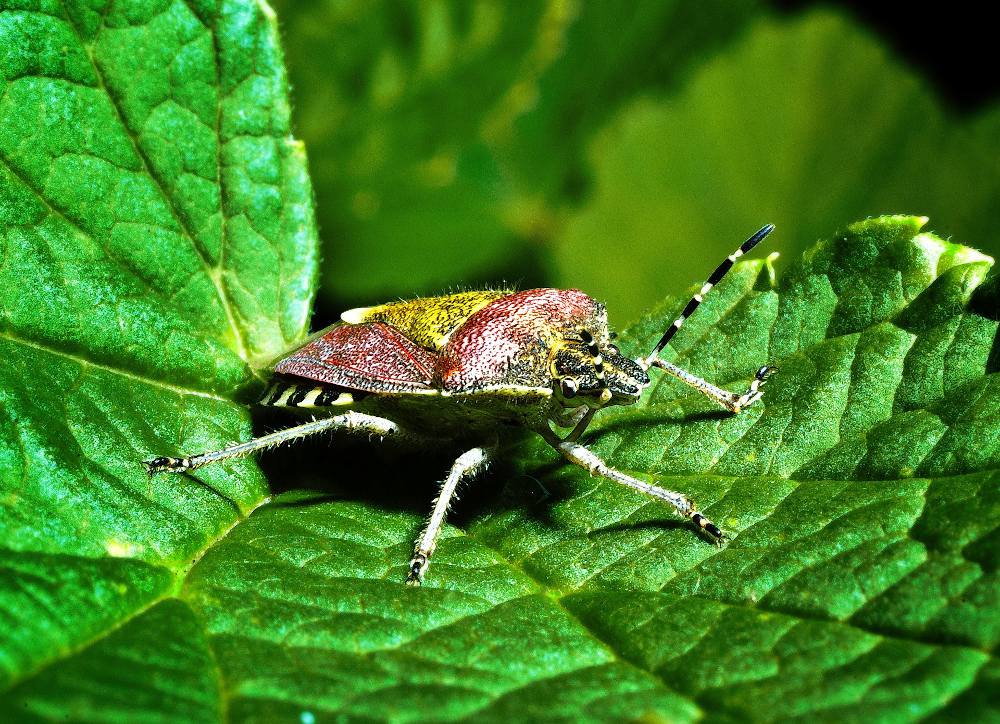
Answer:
(508, 341)
(427, 321)
(373, 357)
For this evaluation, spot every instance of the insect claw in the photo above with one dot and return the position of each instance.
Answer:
(764, 372)
(157, 465)
(166, 465)
(755, 392)
(709, 527)
(416, 575)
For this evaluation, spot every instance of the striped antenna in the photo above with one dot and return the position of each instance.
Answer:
(712, 281)
(588, 339)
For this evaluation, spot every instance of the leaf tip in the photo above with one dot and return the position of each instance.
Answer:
(902, 223)
(267, 11)
(772, 275)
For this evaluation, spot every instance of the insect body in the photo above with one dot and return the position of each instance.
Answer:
(465, 367)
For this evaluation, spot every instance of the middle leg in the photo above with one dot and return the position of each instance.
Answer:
(469, 464)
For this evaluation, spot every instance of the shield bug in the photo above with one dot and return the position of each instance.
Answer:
(465, 368)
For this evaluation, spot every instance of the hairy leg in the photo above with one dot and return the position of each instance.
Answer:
(730, 400)
(351, 421)
(682, 505)
(468, 464)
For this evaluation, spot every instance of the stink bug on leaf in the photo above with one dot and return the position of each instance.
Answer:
(463, 368)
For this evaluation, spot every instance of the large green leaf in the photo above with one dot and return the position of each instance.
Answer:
(860, 581)
(157, 245)
(804, 122)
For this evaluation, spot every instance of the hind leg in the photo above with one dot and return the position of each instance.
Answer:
(351, 421)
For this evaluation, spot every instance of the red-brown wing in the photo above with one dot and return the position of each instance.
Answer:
(373, 357)
(508, 340)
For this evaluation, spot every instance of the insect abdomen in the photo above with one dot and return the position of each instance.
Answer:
(282, 393)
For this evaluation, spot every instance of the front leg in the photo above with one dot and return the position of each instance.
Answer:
(570, 416)
(730, 400)
(469, 464)
(683, 506)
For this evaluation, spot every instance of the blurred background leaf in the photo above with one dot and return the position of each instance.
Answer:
(573, 144)
(800, 123)
(448, 139)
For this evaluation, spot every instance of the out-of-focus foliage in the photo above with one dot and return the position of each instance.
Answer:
(448, 140)
(802, 123)
(575, 144)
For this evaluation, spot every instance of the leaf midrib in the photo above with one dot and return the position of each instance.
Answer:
(211, 272)
(173, 591)
(86, 363)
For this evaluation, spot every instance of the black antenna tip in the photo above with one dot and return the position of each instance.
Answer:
(756, 238)
(764, 231)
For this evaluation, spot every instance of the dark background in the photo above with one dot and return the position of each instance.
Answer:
(953, 45)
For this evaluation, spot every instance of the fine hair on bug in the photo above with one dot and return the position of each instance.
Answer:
(467, 367)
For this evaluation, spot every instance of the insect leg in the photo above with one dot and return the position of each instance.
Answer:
(581, 425)
(570, 416)
(352, 421)
(730, 400)
(469, 463)
(683, 506)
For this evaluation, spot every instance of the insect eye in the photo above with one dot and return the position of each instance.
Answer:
(569, 387)
(613, 349)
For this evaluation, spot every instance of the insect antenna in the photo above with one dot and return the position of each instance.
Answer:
(588, 339)
(714, 279)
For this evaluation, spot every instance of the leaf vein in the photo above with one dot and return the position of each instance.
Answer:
(155, 177)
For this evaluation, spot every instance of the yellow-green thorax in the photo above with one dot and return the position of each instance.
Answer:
(427, 321)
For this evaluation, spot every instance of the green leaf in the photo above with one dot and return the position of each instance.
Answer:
(446, 137)
(803, 122)
(157, 246)
(860, 580)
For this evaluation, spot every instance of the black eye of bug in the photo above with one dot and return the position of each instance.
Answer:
(569, 387)
(613, 349)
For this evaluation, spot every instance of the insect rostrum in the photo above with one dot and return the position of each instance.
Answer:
(464, 366)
